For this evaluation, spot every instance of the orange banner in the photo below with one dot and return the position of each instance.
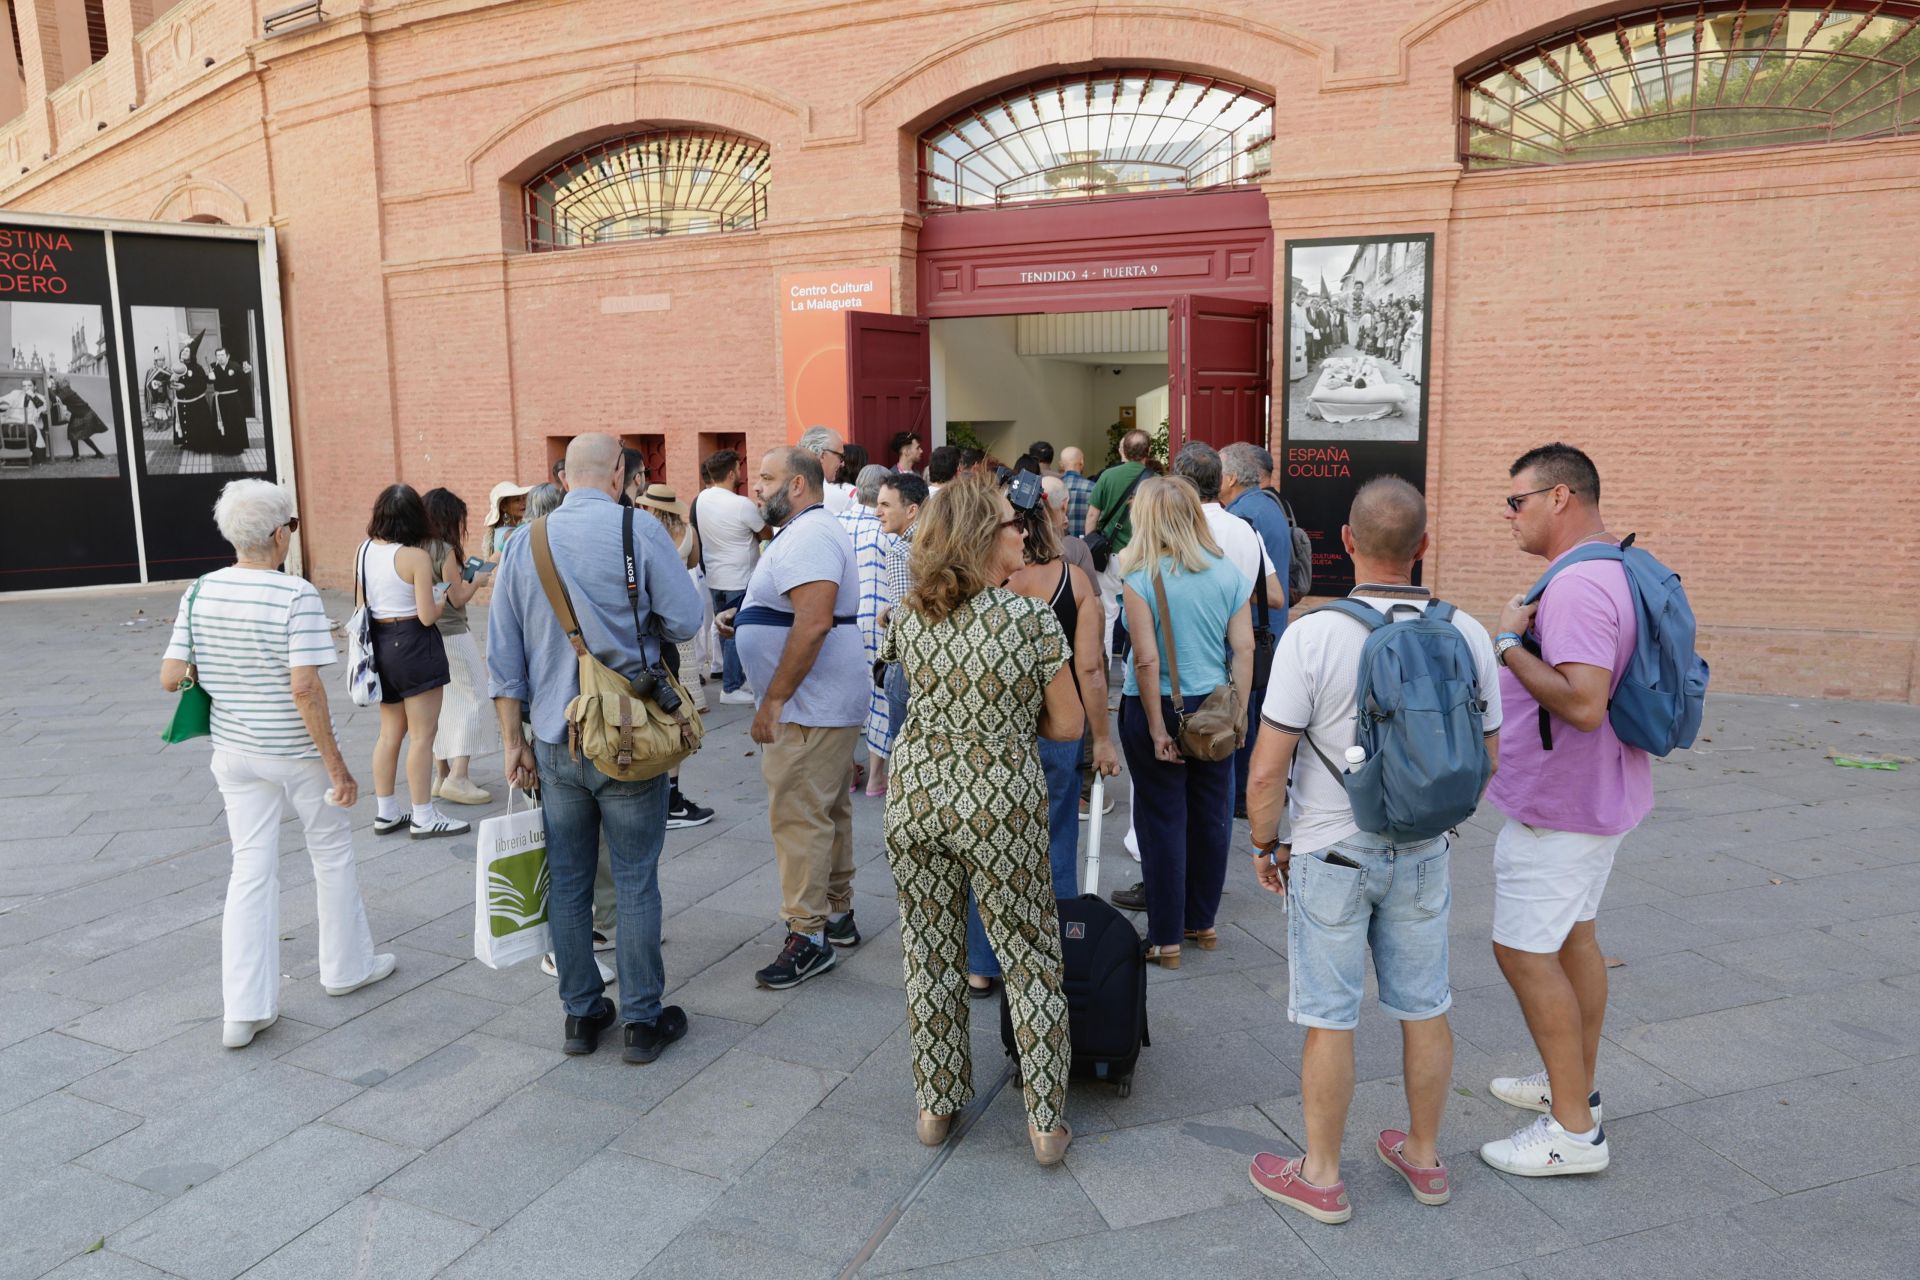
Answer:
(813, 340)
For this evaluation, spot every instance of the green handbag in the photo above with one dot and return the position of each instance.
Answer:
(193, 717)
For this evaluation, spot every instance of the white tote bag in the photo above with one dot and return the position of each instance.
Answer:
(363, 682)
(510, 885)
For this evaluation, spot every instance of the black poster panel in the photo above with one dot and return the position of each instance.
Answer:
(1358, 355)
(192, 314)
(66, 505)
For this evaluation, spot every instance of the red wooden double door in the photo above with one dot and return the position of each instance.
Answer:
(1218, 355)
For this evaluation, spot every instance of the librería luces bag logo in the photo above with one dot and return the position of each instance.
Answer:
(517, 892)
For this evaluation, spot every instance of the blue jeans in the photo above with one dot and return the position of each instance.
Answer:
(1395, 905)
(732, 674)
(1183, 817)
(1060, 761)
(1244, 756)
(896, 682)
(579, 802)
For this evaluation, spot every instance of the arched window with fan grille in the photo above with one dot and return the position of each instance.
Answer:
(641, 186)
(1686, 79)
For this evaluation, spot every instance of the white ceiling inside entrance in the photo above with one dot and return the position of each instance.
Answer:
(1095, 337)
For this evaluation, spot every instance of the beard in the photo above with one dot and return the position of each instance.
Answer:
(776, 509)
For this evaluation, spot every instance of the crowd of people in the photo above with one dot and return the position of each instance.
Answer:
(945, 641)
(1390, 329)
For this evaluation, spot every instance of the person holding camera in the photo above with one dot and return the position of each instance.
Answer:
(530, 660)
(798, 632)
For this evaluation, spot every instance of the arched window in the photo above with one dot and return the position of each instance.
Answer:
(1683, 79)
(1100, 133)
(667, 182)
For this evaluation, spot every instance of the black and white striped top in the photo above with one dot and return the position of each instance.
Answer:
(249, 627)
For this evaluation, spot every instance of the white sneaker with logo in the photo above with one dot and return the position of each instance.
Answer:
(1534, 1093)
(1543, 1150)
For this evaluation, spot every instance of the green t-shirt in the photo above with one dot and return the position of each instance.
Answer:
(1113, 482)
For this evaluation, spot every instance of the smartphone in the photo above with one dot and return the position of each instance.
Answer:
(475, 565)
(1338, 859)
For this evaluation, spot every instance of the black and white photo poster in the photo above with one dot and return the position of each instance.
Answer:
(1355, 404)
(197, 370)
(66, 510)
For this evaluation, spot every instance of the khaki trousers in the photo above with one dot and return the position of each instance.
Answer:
(809, 773)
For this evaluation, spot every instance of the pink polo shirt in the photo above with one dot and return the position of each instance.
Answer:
(1589, 782)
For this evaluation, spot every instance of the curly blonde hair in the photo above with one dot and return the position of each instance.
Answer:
(953, 547)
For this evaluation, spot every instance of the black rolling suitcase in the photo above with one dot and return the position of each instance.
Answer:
(1106, 971)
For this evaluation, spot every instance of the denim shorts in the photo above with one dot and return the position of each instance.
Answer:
(1396, 903)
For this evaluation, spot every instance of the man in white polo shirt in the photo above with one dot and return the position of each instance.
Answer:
(729, 526)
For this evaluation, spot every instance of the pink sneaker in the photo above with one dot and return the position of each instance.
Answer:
(1429, 1186)
(1279, 1180)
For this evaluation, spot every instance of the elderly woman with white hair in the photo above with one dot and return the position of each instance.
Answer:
(255, 639)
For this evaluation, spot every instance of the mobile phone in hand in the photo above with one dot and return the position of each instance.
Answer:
(476, 565)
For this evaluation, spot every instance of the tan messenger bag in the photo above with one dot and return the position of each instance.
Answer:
(619, 725)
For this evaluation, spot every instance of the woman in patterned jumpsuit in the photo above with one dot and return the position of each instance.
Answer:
(967, 804)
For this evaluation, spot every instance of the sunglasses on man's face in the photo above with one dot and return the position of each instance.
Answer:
(292, 525)
(1516, 500)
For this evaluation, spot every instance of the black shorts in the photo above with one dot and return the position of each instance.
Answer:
(411, 658)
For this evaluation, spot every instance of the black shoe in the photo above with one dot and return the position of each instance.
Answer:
(682, 812)
(583, 1034)
(843, 934)
(648, 1040)
(387, 826)
(986, 992)
(799, 960)
(1134, 899)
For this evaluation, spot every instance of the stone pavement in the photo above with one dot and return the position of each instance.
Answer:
(1762, 1053)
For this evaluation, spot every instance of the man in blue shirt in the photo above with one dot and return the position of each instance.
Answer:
(529, 660)
(1244, 468)
(1073, 465)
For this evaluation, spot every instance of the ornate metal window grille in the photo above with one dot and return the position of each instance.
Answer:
(1101, 133)
(1685, 79)
(644, 185)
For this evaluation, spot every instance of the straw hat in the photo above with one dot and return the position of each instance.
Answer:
(501, 492)
(661, 497)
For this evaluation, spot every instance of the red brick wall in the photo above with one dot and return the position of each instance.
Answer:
(1729, 336)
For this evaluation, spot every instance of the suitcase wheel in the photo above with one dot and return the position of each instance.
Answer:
(1126, 1085)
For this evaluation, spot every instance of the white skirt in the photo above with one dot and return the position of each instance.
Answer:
(467, 724)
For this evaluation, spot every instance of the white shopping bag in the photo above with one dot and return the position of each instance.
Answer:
(510, 886)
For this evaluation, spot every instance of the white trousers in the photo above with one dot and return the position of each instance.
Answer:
(256, 790)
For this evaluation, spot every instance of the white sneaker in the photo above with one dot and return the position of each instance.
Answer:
(741, 697)
(437, 824)
(1534, 1093)
(238, 1035)
(383, 967)
(552, 969)
(1543, 1150)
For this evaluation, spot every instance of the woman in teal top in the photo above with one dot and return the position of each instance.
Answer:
(1182, 809)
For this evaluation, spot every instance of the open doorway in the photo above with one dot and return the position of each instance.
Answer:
(1073, 379)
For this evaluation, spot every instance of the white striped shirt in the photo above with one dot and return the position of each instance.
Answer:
(249, 627)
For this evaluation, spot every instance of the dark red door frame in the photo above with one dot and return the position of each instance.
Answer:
(1097, 255)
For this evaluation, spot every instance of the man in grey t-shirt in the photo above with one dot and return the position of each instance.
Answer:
(798, 634)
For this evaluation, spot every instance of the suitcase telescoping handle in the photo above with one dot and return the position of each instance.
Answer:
(1095, 804)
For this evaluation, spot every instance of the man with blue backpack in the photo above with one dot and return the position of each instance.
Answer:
(1393, 702)
(1600, 676)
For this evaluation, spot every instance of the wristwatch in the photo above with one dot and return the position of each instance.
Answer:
(1501, 643)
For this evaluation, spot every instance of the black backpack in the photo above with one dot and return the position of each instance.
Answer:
(1300, 563)
(1106, 977)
